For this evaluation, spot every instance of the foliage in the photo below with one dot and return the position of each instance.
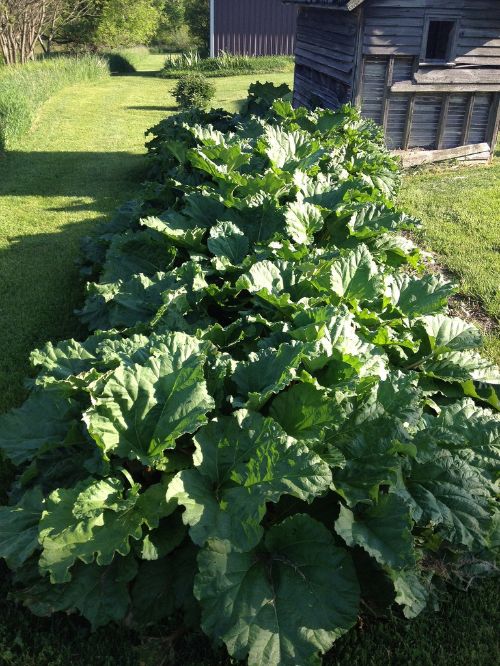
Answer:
(225, 64)
(197, 18)
(124, 23)
(66, 15)
(173, 33)
(23, 89)
(193, 91)
(275, 413)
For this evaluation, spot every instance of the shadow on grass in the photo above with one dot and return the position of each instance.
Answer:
(95, 175)
(153, 108)
(50, 201)
(40, 288)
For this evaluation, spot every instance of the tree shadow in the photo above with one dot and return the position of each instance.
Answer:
(80, 176)
(40, 288)
(49, 202)
(153, 108)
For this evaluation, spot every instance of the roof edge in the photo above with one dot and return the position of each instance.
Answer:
(344, 5)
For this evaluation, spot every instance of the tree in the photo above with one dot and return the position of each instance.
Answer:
(126, 23)
(21, 23)
(197, 17)
(62, 15)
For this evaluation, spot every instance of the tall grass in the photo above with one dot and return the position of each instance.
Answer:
(225, 64)
(24, 88)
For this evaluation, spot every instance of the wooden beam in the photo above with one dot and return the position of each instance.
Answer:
(443, 120)
(359, 62)
(409, 120)
(387, 89)
(477, 152)
(468, 118)
(426, 88)
(494, 123)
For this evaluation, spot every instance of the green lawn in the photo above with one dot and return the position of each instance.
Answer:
(460, 209)
(86, 155)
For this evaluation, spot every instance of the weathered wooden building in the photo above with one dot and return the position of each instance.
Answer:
(252, 27)
(428, 71)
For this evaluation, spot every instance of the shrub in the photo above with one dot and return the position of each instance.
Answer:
(275, 419)
(24, 88)
(193, 91)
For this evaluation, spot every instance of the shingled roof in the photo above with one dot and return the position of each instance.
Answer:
(349, 5)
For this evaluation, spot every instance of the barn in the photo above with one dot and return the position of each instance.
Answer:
(252, 27)
(428, 71)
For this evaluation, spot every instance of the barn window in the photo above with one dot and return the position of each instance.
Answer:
(439, 42)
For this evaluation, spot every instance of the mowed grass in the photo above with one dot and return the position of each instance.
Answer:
(83, 158)
(460, 209)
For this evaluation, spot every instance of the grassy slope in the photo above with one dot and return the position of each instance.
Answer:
(460, 209)
(85, 157)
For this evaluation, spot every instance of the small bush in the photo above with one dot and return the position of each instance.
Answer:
(24, 88)
(193, 91)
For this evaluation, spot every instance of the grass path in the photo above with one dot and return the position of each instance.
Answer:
(460, 210)
(83, 157)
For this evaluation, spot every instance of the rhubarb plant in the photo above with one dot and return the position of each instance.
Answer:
(274, 416)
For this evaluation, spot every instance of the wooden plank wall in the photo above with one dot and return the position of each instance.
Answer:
(394, 32)
(325, 56)
(393, 27)
(423, 120)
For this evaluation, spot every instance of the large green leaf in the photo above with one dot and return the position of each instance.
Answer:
(100, 594)
(412, 592)
(303, 220)
(448, 334)
(66, 359)
(94, 521)
(370, 220)
(267, 372)
(19, 528)
(241, 463)
(383, 530)
(140, 410)
(462, 367)
(414, 296)
(308, 412)
(283, 603)
(355, 276)
(451, 497)
(229, 242)
(469, 432)
(40, 424)
(277, 283)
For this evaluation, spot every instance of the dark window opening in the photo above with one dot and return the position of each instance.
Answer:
(439, 40)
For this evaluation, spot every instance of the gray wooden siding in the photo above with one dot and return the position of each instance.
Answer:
(478, 41)
(325, 55)
(457, 111)
(422, 119)
(393, 27)
(256, 27)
